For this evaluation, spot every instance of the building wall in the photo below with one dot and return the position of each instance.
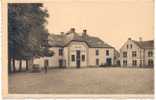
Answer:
(148, 57)
(141, 58)
(102, 56)
(129, 58)
(72, 48)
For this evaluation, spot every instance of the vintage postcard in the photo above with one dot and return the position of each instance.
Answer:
(80, 48)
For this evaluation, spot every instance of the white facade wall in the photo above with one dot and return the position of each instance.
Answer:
(90, 55)
(148, 57)
(102, 56)
(141, 55)
(72, 48)
(129, 51)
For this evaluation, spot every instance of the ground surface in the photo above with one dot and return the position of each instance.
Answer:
(85, 81)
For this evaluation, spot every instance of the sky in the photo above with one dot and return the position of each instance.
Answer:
(113, 21)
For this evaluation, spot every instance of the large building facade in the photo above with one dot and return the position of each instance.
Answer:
(73, 49)
(137, 53)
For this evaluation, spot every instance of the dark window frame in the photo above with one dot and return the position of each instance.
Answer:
(97, 52)
(125, 62)
(150, 53)
(134, 53)
(83, 58)
(124, 54)
(134, 62)
(61, 50)
(107, 52)
(131, 46)
(73, 58)
(97, 61)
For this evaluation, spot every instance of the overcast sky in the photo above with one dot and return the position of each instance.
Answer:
(111, 20)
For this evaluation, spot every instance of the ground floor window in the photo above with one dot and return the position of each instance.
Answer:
(60, 62)
(134, 62)
(73, 58)
(150, 62)
(109, 61)
(97, 61)
(83, 57)
(125, 62)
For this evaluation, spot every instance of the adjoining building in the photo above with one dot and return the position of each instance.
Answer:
(73, 49)
(137, 53)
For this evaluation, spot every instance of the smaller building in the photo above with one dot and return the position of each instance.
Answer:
(137, 53)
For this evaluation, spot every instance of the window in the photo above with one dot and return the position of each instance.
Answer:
(131, 46)
(61, 52)
(124, 54)
(150, 54)
(107, 52)
(73, 57)
(134, 54)
(134, 62)
(127, 46)
(150, 62)
(83, 57)
(97, 52)
(125, 62)
(97, 62)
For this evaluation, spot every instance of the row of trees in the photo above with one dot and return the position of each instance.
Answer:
(27, 35)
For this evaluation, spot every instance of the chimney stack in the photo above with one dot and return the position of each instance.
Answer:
(129, 38)
(72, 30)
(140, 39)
(62, 33)
(84, 32)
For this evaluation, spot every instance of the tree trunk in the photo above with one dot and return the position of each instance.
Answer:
(14, 68)
(9, 65)
(20, 65)
(27, 65)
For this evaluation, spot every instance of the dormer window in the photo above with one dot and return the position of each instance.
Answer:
(61, 52)
(107, 52)
(131, 46)
(97, 52)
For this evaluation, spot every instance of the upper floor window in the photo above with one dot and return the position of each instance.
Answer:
(150, 54)
(131, 46)
(97, 52)
(127, 46)
(134, 54)
(83, 57)
(134, 62)
(124, 54)
(107, 52)
(73, 58)
(61, 52)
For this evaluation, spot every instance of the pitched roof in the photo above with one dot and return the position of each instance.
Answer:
(145, 44)
(64, 40)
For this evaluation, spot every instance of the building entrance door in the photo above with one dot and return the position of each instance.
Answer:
(78, 62)
(109, 61)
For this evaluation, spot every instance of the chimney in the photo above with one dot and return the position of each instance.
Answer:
(140, 39)
(72, 30)
(129, 38)
(84, 32)
(62, 33)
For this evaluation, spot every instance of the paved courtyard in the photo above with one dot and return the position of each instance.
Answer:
(85, 81)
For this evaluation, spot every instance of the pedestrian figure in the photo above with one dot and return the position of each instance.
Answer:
(46, 66)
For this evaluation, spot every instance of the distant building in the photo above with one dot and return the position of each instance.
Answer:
(137, 53)
(77, 50)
